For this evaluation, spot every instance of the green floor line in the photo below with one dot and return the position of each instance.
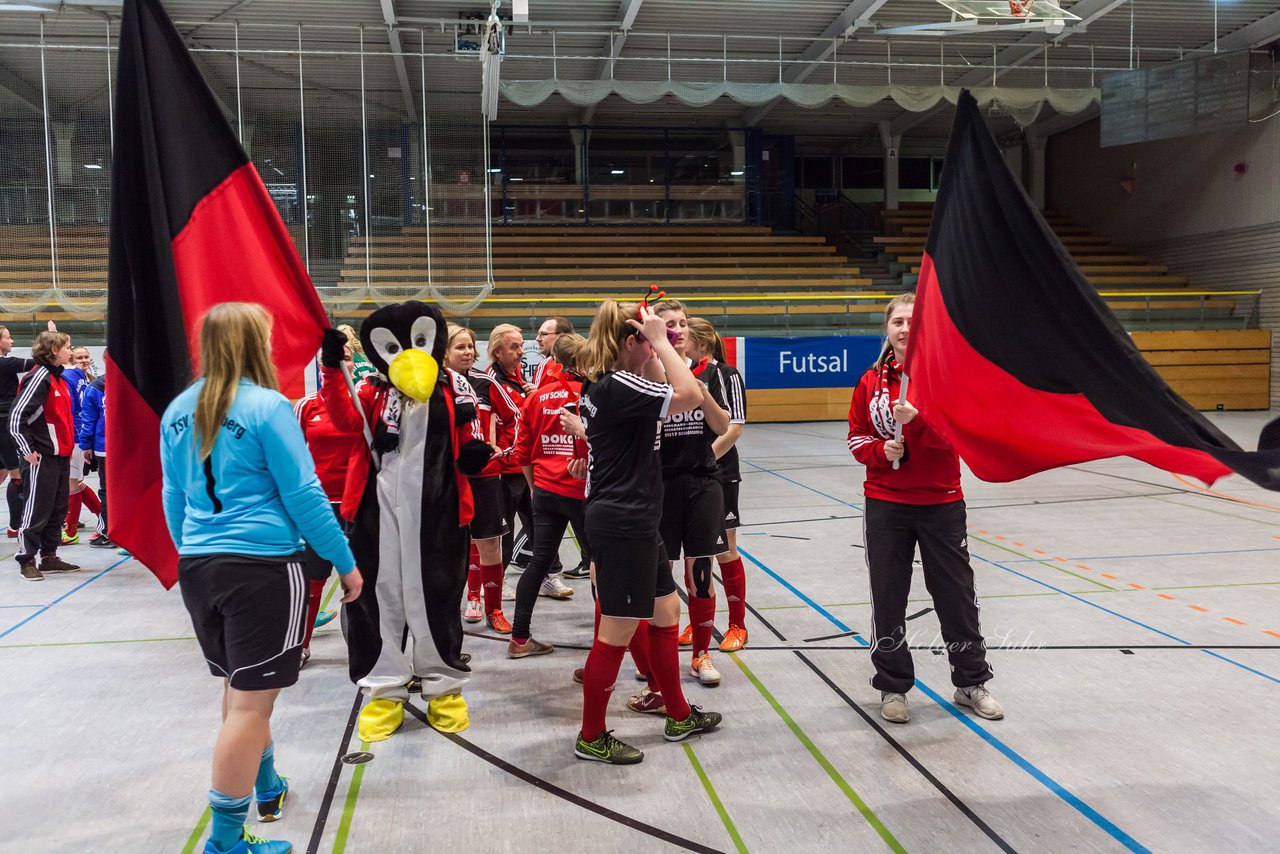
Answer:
(1218, 586)
(1057, 567)
(194, 839)
(129, 640)
(1168, 500)
(333, 586)
(861, 805)
(349, 808)
(715, 800)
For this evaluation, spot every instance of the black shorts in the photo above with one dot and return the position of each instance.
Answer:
(693, 516)
(249, 615)
(490, 497)
(731, 518)
(631, 573)
(8, 451)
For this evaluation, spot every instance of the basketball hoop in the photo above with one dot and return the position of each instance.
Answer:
(1021, 8)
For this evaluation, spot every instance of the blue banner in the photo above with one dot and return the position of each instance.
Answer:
(832, 361)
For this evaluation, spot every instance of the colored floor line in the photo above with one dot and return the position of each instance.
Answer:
(194, 839)
(563, 794)
(764, 470)
(129, 640)
(1050, 564)
(715, 799)
(21, 606)
(1162, 554)
(1216, 494)
(333, 585)
(1126, 618)
(73, 590)
(818, 756)
(349, 808)
(1009, 753)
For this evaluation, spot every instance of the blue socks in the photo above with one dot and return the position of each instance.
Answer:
(268, 783)
(229, 815)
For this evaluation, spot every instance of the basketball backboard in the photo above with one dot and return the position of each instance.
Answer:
(1001, 10)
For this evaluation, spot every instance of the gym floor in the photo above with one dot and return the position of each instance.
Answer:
(1134, 625)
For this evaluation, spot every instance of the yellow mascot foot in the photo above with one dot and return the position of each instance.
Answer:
(380, 719)
(448, 713)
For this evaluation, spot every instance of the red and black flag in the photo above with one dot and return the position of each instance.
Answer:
(191, 225)
(1016, 359)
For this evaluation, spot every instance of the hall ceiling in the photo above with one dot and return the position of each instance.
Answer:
(583, 33)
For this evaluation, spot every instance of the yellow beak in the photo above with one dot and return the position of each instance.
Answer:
(415, 374)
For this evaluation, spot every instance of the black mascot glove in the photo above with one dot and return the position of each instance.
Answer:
(331, 348)
(474, 456)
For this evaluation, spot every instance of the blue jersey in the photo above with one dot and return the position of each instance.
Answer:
(257, 493)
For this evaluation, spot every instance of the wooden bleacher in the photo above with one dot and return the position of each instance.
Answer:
(586, 264)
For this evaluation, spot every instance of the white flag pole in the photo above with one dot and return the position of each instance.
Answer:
(897, 430)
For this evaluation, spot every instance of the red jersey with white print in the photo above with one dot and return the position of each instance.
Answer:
(332, 448)
(543, 444)
(929, 473)
(499, 415)
(513, 385)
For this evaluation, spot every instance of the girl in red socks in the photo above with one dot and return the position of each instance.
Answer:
(499, 413)
(726, 386)
(693, 502)
(332, 449)
(623, 403)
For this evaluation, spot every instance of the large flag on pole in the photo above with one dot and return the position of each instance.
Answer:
(191, 225)
(1015, 358)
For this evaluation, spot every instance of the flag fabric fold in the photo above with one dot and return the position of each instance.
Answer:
(1016, 359)
(192, 225)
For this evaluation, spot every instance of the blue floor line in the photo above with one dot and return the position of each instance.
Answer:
(1008, 752)
(22, 606)
(1123, 617)
(78, 587)
(1006, 569)
(764, 470)
(1159, 554)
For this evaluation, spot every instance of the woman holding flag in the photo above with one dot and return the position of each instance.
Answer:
(913, 497)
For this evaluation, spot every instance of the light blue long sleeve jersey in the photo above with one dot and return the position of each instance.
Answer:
(257, 494)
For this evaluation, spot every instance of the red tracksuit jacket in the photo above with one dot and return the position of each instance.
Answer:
(930, 471)
(541, 443)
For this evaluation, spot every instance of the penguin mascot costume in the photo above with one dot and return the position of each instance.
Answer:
(409, 503)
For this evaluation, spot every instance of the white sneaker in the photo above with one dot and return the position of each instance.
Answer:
(705, 671)
(555, 588)
(474, 612)
(978, 698)
(508, 592)
(893, 707)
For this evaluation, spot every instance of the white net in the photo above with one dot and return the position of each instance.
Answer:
(377, 163)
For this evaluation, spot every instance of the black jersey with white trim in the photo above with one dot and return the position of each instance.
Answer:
(728, 388)
(687, 438)
(623, 413)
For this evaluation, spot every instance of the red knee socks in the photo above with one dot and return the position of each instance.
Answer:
(603, 664)
(73, 513)
(702, 615)
(90, 500)
(491, 576)
(315, 590)
(735, 591)
(639, 649)
(664, 661)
